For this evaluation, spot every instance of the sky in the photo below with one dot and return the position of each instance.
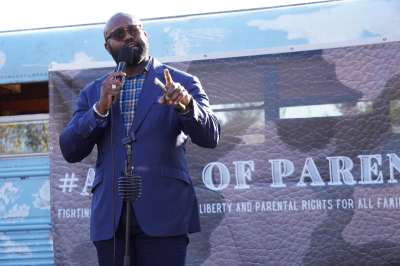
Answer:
(49, 13)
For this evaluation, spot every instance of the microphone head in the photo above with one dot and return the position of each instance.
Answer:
(125, 55)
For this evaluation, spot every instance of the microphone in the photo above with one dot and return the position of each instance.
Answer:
(125, 58)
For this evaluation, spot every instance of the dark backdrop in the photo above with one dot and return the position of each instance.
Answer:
(347, 102)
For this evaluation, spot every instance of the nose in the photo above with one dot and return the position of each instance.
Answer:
(128, 36)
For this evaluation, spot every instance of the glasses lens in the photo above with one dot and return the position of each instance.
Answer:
(133, 30)
(119, 34)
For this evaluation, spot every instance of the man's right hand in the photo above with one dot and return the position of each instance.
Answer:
(107, 92)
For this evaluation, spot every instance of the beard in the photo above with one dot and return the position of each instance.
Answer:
(138, 56)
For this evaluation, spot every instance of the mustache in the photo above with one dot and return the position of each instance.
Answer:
(130, 42)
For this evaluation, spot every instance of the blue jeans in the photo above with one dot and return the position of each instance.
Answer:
(143, 249)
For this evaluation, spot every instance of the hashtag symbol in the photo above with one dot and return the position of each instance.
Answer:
(68, 182)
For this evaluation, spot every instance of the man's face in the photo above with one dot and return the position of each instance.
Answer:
(139, 44)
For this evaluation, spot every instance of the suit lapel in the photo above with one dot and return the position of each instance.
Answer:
(149, 94)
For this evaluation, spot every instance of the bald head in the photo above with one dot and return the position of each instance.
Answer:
(117, 20)
(133, 36)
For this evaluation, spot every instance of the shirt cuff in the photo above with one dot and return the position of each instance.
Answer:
(100, 122)
(186, 115)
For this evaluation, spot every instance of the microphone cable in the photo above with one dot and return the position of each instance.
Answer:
(113, 174)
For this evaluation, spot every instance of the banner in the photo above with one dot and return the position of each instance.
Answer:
(306, 172)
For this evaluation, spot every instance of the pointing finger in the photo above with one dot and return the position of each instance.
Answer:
(167, 78)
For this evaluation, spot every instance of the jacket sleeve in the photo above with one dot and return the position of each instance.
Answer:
(203, 127)
(79, 137)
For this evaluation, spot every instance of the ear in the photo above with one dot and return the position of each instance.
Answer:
(145, 33)
(107, 47)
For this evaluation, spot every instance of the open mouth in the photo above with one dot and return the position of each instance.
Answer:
(133, 46)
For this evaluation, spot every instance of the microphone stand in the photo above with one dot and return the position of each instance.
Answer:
(129, 189)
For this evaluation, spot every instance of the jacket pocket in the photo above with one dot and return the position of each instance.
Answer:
(173, 172)
(159, 106)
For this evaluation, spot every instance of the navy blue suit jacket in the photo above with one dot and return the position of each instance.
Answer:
(168, 204)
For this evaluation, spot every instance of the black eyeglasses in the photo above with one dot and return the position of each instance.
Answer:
(119, 34)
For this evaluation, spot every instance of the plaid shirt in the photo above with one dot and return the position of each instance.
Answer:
(129, 96)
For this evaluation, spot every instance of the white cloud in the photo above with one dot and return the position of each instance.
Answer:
(347, 21)
(13, 249)
(42, 199)
(2, 59)
(8, 193)
(186, 39)
(81, 57)
(60, 14)
(18, 211)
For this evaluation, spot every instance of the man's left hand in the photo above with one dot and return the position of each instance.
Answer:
(176, 92)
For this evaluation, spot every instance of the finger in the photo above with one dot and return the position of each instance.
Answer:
(162, 99)
(167, 78)
(183, 98)
(178, 99)
(170, 90)
(113, 94)
(114, 83)
(175, 86)
(114, 75)
(115, 99)
(106, 100)
(111, 88)
(177, 95)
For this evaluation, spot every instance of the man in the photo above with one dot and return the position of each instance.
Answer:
(167, 209)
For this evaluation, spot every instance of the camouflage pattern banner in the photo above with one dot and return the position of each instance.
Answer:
(306, 172)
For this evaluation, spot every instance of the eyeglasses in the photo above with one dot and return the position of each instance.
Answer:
(119, 34)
